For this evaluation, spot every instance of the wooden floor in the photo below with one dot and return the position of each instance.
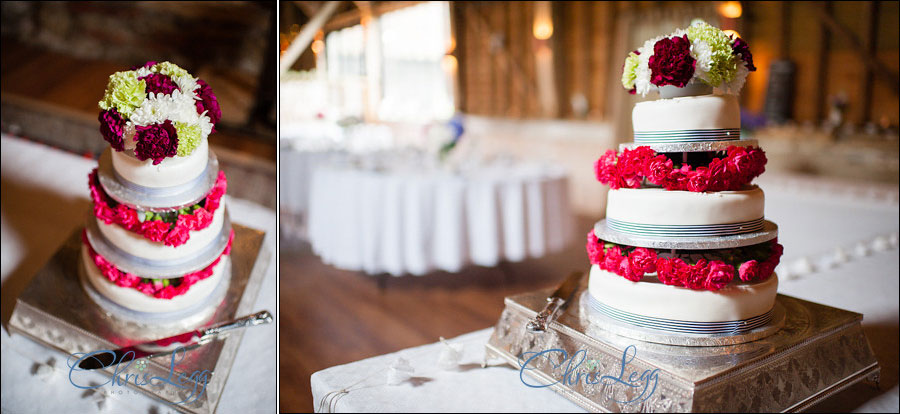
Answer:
(330, 317)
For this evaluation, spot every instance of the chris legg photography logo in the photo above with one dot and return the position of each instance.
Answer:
(130, 371)
(570, 370)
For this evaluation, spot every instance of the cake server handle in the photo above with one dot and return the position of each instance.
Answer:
(554, 303)
(259, 318)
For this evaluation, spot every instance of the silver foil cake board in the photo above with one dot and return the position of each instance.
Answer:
(55, 310)
(818, 351)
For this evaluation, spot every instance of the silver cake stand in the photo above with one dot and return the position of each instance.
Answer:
(56, 311)
(816, 351)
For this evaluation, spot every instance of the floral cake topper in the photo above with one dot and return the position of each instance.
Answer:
(158, 110)
(700, 53)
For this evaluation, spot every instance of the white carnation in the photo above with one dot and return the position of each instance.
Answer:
(734, 87)
(142, 71)
(642, 83)
(702, 53)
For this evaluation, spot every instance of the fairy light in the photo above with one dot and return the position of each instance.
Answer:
(731, 9)
(543, 21)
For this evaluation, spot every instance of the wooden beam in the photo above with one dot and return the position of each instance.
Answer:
(354, 16)
(305, 37)
(870, 40)
(309, 8)
(822, 72)
(874, 65)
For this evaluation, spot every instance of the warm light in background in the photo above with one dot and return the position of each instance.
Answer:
(448, 63)
(731, 9)
(732, 33)
(543, 20)
(451, 44)
(318, 46)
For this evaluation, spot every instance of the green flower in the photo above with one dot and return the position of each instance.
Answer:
(124, 92)
(170, 69)
(629, 72)
(189, 136)
(722, 63)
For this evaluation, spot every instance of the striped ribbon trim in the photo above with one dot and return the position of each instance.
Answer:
(664, 230)
(682, 327)
(687, 135)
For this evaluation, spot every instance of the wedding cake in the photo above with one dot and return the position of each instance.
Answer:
(159, 236)
(685, 247)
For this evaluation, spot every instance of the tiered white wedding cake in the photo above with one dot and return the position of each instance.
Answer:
(685, 247)
(159, 238)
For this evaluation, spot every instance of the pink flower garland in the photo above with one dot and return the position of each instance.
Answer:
(703, 275)
(157, 230)
(627, 170)
(155, 289)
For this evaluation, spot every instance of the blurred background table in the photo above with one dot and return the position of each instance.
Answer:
(398, 215)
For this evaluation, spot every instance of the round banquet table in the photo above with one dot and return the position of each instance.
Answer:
(415, 220)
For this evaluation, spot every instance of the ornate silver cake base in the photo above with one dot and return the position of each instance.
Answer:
(54, 310)
(818, 351)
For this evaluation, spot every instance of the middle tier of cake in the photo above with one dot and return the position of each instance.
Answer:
(660, 212)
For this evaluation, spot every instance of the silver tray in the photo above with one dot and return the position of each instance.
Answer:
(819, 350)
(155, 199)
(158, 269)
(55, 311)
(769, 232)
(693, 146)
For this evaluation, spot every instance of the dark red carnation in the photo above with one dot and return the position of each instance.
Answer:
(741, 47)
(209, 103)
(112, 127)
(669, 271)
(671, 63)
(159, 83)
(694, 277)
(156, 142)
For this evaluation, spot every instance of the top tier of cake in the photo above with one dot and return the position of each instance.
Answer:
(687, 119)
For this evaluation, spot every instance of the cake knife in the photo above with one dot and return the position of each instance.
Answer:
(160, 347)
(554, 303)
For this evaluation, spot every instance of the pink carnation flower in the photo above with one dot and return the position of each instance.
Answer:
(103, 212)
(594, 249)
(719, 275)
(643, 260)
(749, 271)
(694, 276)
(126, 217)
(177, 236)
(155, 230)
(698, 180)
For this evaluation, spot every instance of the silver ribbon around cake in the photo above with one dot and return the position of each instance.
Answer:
(687, 135)
(156, 198)
(158, 269)
(679, 326)
(665, 230)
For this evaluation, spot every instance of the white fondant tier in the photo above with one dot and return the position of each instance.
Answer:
(687, 113)
(679, 208)
(135, 300)
(137, 245)
(169, 172)
(652, 298)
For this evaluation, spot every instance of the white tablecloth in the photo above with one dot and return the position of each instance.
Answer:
(813, 218)
(409, 221)
(45, 198)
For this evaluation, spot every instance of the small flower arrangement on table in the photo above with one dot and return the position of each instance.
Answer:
(157, 110)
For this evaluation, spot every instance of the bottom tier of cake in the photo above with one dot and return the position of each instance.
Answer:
(651, 301)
